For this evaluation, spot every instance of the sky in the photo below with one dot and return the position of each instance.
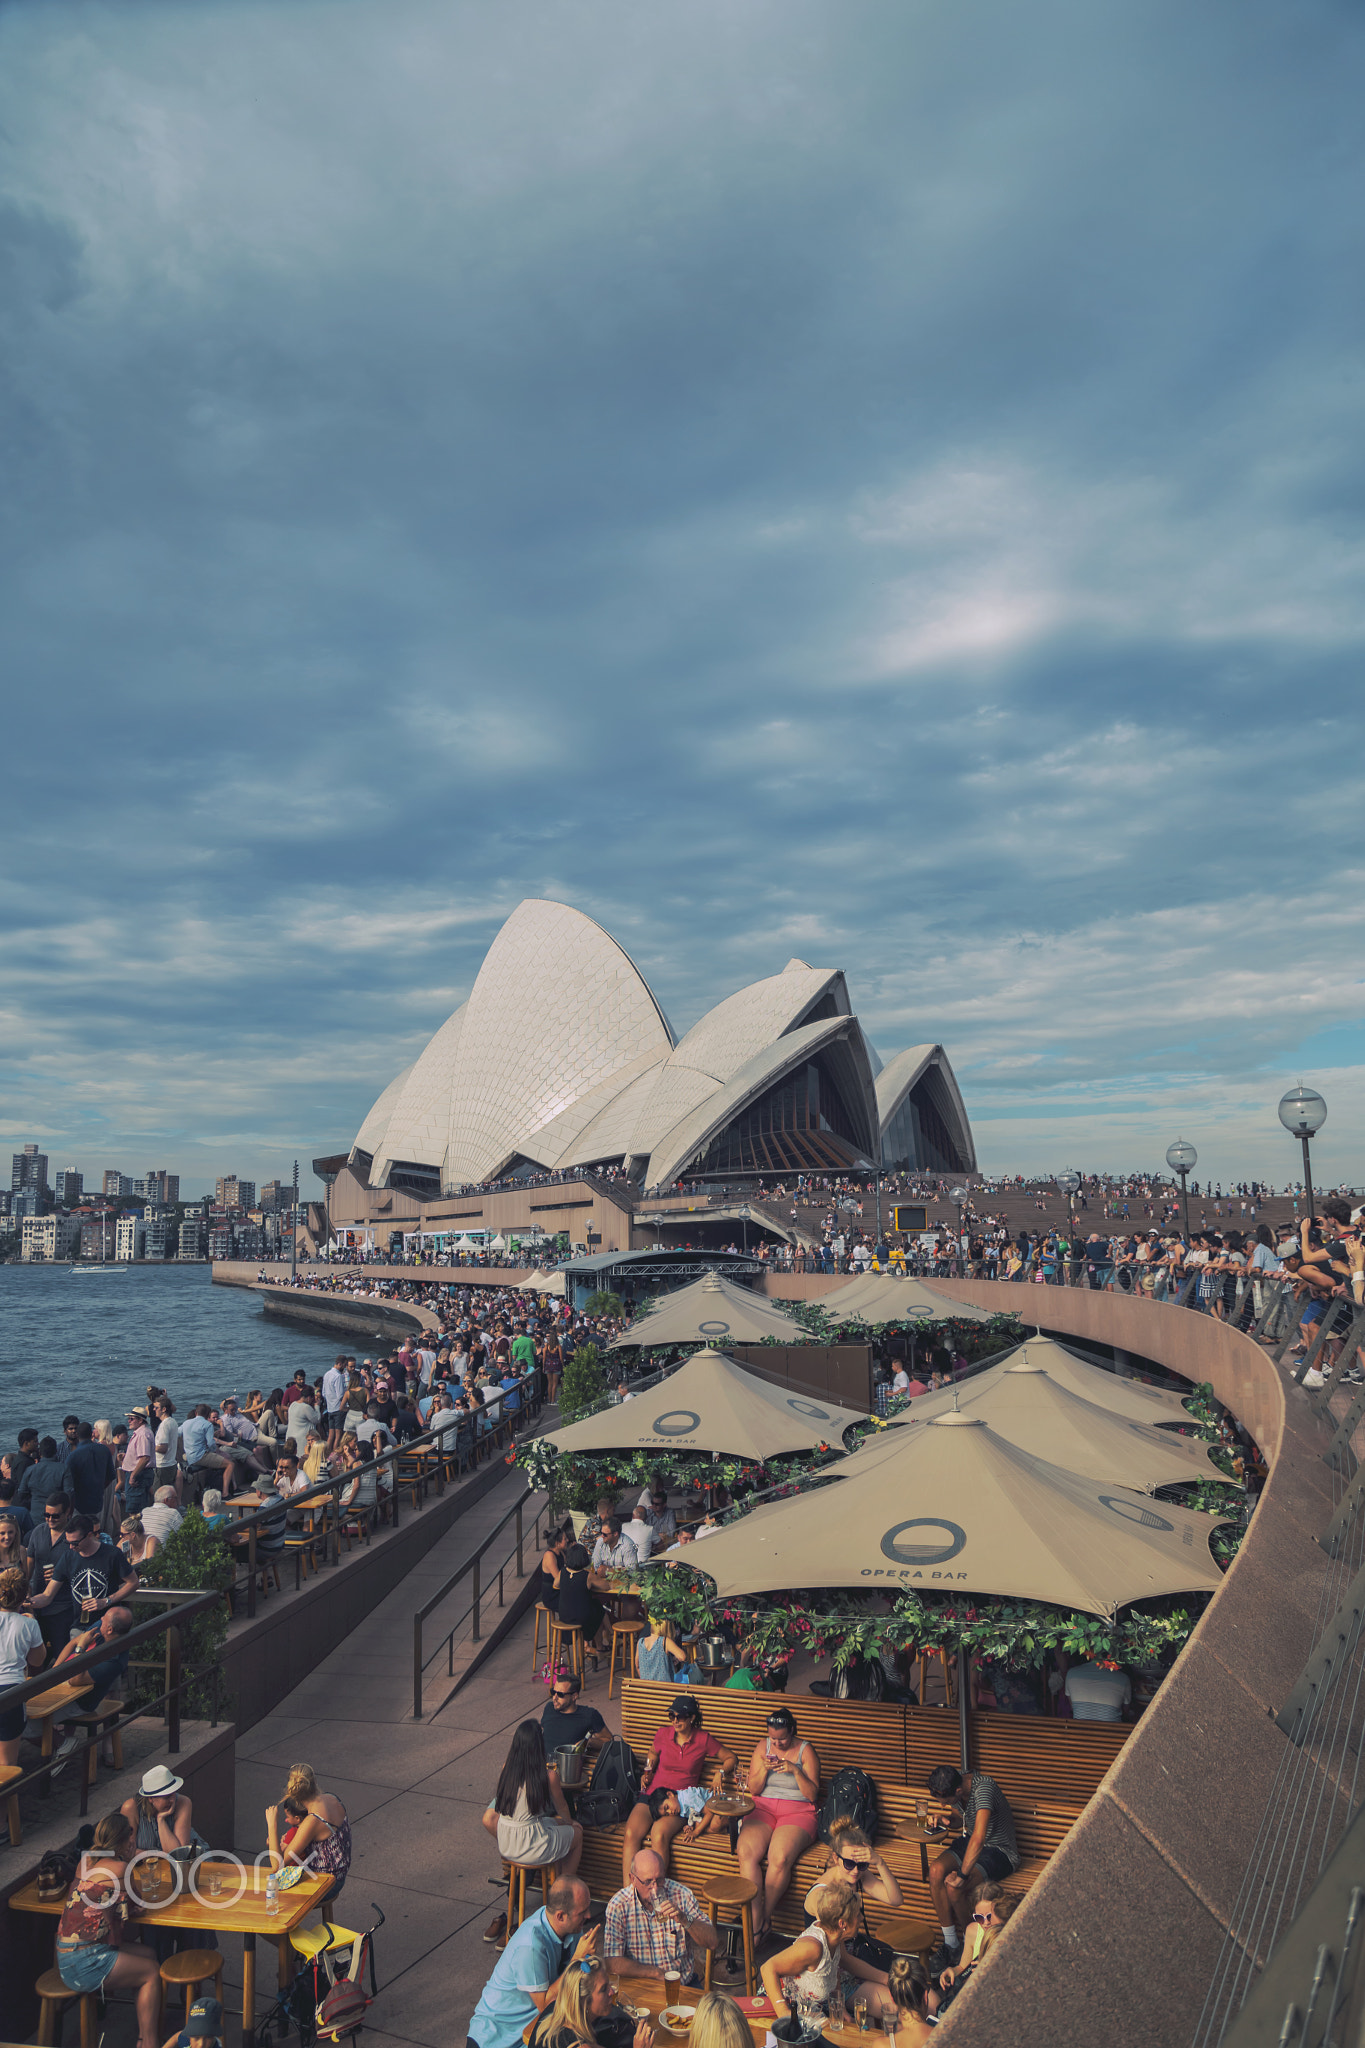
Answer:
(879, 481)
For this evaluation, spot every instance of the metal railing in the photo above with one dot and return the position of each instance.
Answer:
(464, 1446)
(471, 1566)
(186, 1607)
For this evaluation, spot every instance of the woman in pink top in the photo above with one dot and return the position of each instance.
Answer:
(680, 1755)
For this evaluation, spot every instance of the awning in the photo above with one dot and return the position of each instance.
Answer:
(712, 1311)
(713, 1406)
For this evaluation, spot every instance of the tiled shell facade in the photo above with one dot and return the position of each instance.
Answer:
(563, 1056)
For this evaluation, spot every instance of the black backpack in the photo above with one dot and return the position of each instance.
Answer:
(862, 1678)
(613, 1788)
(851, 1796)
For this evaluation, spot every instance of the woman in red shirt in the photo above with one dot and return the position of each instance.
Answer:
(680, 1755)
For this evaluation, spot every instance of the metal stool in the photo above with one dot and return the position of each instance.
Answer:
(741, 1893)
(516, 1891)
(562, 1632)
(628, 1634)
(191, 1968)
(53, 1997)
(549, 1617)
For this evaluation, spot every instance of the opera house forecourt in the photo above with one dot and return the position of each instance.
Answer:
(562, 1060)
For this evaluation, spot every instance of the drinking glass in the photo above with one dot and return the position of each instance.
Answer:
(215, 1884)
(921, 1811)
(861, 2013)
(838, 2011)
(889, 2025)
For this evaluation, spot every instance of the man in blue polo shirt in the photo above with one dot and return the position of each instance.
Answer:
(525, 1979)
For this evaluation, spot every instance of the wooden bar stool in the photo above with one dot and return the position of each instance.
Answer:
(192, 1967)
(100, 1721)
(516, 1891)
(949, 1671)
(738, 1892)
(562, 1633)
(8, 1773)
(547, 1614)
(53, 1998)
(627, 1634)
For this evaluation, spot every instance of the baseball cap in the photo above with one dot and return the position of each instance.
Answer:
(204, 2016)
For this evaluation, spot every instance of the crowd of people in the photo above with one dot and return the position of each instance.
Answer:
(558, 1979)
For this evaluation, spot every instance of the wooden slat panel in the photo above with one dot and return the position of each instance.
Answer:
(870, 1735)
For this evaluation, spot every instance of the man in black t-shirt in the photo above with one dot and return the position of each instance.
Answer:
(564, 1722)
(93, 1573)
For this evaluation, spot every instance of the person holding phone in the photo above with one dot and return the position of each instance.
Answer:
(784, 1783)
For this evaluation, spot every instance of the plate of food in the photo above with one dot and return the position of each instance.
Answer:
(677, 2018)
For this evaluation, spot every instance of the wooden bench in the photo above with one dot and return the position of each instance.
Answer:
(1065, 1759)
(1031, 1756)
(870, 1734)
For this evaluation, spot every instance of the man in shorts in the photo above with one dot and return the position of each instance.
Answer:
(979, 1842)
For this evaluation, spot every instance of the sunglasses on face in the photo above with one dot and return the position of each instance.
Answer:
(982, 1919)
(851, 1863)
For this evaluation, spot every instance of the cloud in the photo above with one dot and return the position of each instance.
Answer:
(879, 486)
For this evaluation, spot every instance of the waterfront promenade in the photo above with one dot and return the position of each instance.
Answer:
(415, 1792)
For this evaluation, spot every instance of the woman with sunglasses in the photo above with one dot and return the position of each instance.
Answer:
(853, 1859)
(784, 1782)
(676, 1763)
(991, 1908)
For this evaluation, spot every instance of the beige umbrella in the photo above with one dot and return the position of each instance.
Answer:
(889, 1298)
(712, 1310)
(714, 1406)
(1126, 1398)
(1026, 1406)
(957, 1509)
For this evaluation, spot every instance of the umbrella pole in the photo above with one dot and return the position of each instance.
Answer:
(962, 1706)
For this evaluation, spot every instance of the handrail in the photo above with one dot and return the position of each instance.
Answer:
(419, 1663)
(170, 1626)
(467, 1437)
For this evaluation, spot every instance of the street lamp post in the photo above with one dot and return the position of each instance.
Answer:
(294, 1230)
(959, 1196)
(1068, 1183)
(1182, 1159)
(1303, 1113)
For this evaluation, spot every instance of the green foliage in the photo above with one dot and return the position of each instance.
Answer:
(604, 1303)
(1017, 1633)
(584, 1382)
(193, 1559)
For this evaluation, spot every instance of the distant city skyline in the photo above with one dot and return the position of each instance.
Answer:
(880, 485)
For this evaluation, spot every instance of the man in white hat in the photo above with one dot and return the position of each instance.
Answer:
(161, 1811)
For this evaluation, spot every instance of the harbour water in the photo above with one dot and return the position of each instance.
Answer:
(89, 1343)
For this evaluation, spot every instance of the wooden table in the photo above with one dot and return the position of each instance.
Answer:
(232, 1914)
(245, 1503)
(730, 1809)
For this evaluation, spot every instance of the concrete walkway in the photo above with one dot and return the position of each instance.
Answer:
(415, 1791)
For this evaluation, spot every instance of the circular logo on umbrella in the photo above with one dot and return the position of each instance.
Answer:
(807, 1408)
(713, 1329)
(894, 1546)
(1131, 1512)
(677, 1422)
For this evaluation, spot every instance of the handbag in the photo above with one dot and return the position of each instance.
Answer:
(867, 1948)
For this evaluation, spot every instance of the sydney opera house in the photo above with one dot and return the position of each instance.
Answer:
(563, 1058)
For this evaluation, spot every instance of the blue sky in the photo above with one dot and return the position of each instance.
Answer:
(875, 480)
